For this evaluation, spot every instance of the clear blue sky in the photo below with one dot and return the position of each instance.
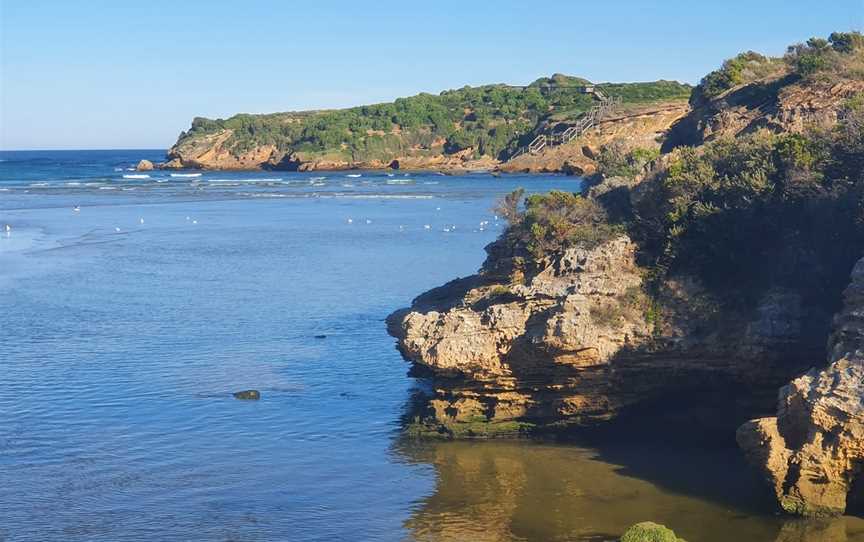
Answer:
(117, 74)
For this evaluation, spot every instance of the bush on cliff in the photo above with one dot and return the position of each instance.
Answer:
(842, 53)
(741, 69)
(763, 209)
(618, 160)
(553, 222)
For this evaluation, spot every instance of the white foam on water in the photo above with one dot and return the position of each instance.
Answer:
(107, 188)
(185, 174)
(251, 181)
(354, 175)
(137, 176)
(400, 181)
(386, 196)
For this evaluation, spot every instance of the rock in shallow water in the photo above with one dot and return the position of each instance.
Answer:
(648, 531)
(248, 395)
(813, 450)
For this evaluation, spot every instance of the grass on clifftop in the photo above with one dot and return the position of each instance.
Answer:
(842, 54)
(547, 224)
(492, 120)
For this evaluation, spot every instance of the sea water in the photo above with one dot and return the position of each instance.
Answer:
(131, 308)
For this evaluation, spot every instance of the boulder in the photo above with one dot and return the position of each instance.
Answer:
(248, 395)
(591, 151)
(648, 531)
(174, 163)
(812, 451)
(144, 165)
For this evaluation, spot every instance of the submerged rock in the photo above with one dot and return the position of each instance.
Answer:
(813, 450)
(648, 531)
(248, 395)
(144, 165)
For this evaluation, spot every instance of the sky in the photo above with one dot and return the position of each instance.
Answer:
(116, 74)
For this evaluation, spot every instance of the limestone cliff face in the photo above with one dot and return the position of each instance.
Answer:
(642, 126)
(210, 153)
(812, 452)
(780, 104)
(572, 342)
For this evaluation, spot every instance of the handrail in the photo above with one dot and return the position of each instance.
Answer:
(581, 126)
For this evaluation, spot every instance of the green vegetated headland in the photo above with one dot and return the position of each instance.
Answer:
(491, 120)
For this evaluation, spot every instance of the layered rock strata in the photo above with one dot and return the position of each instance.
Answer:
(574, 341)
(812, 452)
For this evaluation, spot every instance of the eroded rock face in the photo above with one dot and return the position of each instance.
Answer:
(781, 104)
(573, 341)
(631, 126)
(812, 452)
(144, 165)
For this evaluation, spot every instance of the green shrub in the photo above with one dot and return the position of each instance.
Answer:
(553, 222)
(744, 68)
(617, 160)
(759, 210)
(842, 53)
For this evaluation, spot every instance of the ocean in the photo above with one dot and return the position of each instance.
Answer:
(133, 304)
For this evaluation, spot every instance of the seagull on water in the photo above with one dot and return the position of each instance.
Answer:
(368, 221)
(350, 220)
(140, 220)
(427, 227)
(77, 208)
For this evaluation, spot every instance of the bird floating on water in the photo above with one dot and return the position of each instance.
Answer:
(117, 230)
(77, 208)
(140, 220)
(368, 221)
(427, 227)
(350, 220)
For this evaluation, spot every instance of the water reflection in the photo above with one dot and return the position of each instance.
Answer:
(518, 491)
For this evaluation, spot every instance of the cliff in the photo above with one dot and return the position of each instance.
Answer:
(464, 129)
(685, 288)
(574, 343)
(813, 450)
(642, 126)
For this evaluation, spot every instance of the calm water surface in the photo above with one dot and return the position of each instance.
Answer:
(125, 326)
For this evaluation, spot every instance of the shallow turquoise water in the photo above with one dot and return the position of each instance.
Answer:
(126, 325)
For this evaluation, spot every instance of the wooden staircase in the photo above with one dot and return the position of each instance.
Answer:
(582, 125)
